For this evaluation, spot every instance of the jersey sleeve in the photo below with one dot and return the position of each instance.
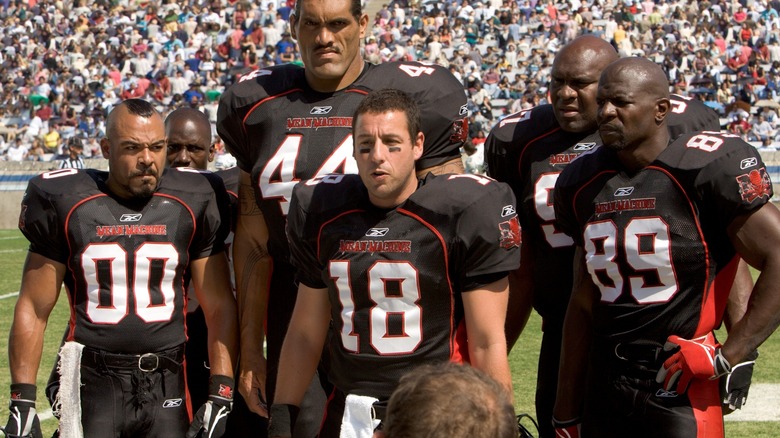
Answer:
(214, 223)
(689, 115)
(302, 248)
(489, 232)
(442, 102)
(39, 223)
(735, 183)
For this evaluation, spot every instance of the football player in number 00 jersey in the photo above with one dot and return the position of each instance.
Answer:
(285, 124)
(406, 274)
(659, 226)
(121, 242)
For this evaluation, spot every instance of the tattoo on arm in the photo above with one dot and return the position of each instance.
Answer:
(248, 206)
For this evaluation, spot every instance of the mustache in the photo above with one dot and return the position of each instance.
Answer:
(145, 172)
(329, 46)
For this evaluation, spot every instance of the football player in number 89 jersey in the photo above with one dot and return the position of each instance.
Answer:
(407, 274)
(659, 228)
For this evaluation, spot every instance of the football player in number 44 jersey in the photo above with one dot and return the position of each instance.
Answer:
(285, 124)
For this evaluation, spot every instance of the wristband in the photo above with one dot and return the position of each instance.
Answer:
(23, 392)
(221, 389)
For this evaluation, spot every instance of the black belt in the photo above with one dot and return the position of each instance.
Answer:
(170, 360)
(640, 352)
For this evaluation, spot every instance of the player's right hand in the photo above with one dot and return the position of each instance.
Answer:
(251, 385)
(734, 387)
(211, 419)
(22, 419)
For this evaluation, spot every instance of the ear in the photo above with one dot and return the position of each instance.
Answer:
(293, 26)
(363, 23)
(418, 146)
(662, 108)
(105, 147)
(212, 151)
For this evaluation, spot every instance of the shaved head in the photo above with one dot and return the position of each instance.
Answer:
(575, 75)
(646, 75)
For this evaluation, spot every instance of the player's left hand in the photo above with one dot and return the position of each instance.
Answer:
(251, 384)
(211, 419)
(22, 419)
(735, 386)
(698, 358)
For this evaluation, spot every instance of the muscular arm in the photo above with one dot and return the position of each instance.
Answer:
(756, 236)
(41, 282)
(453, 166)
(739, 295)
(303, 345)
(210, 276)
(521, 298)
(577, 338)
(484, 309)
(252, 267)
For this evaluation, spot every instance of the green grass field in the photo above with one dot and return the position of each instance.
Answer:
(522, 359)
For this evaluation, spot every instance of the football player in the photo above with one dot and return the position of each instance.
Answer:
(528, 150)
(121, 241)
(659, 228)
(393, 274)
(285, 124)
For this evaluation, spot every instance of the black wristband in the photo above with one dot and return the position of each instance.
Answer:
(564, 424)
(282, 419)
(23, 392)
(221, 388)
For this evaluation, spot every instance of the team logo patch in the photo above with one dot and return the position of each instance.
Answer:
(661, 393)
(225, 391)
(130, 217)
(754, 185)
(624, 191)
(172, 403)
(320, 110)
(510, 233)
(460, 131)
(748, 162)
(508, 210)
(584, 146)
(377, 232)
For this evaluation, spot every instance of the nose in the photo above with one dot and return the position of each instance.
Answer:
(324, 36)
(182, 158)
(377, 154)
(566, 92)
(606, 111)
(145, 157)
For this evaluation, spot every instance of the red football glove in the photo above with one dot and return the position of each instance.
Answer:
(567, 429)
(698, 358)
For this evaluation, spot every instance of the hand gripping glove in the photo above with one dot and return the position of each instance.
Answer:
(22, 419)
(567, 429)
(698, 358)
(282, 420)
(734, 387)
(211, 419)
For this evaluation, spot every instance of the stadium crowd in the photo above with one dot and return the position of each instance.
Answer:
(65, 65)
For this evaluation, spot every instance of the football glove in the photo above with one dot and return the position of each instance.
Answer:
(22, 419)
(211, 419)
(734, 387)
(698, 358)
(282, 419)
(524, 431)
(567, 429)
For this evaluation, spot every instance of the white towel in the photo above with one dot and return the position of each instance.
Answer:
(69, 395)
(359, 420)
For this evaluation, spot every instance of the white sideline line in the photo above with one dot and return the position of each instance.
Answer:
(11, 238)
(10, 295)
(6, 251)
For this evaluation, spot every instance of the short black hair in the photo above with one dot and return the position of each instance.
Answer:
(355, 8)
(389, 99)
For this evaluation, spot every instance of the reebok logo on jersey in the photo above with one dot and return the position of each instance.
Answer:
(661, 393)
(254, 74)
(748, 162)
(377, 232)
(754, 185)
(508, 210)
(320, 110)
(510, 233)
(624, 191)
(584, 146)
(172, 403)
(130, 217)
(463, 110)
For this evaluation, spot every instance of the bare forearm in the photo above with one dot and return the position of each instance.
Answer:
(223, 340)
(521, 300)
(25, 346)
(739, 295)
(492, 359)
(253, 275)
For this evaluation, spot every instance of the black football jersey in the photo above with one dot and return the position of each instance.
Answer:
(125, 259)
(528, 150)
(281, 131)
(395, 277)
(656, 242)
